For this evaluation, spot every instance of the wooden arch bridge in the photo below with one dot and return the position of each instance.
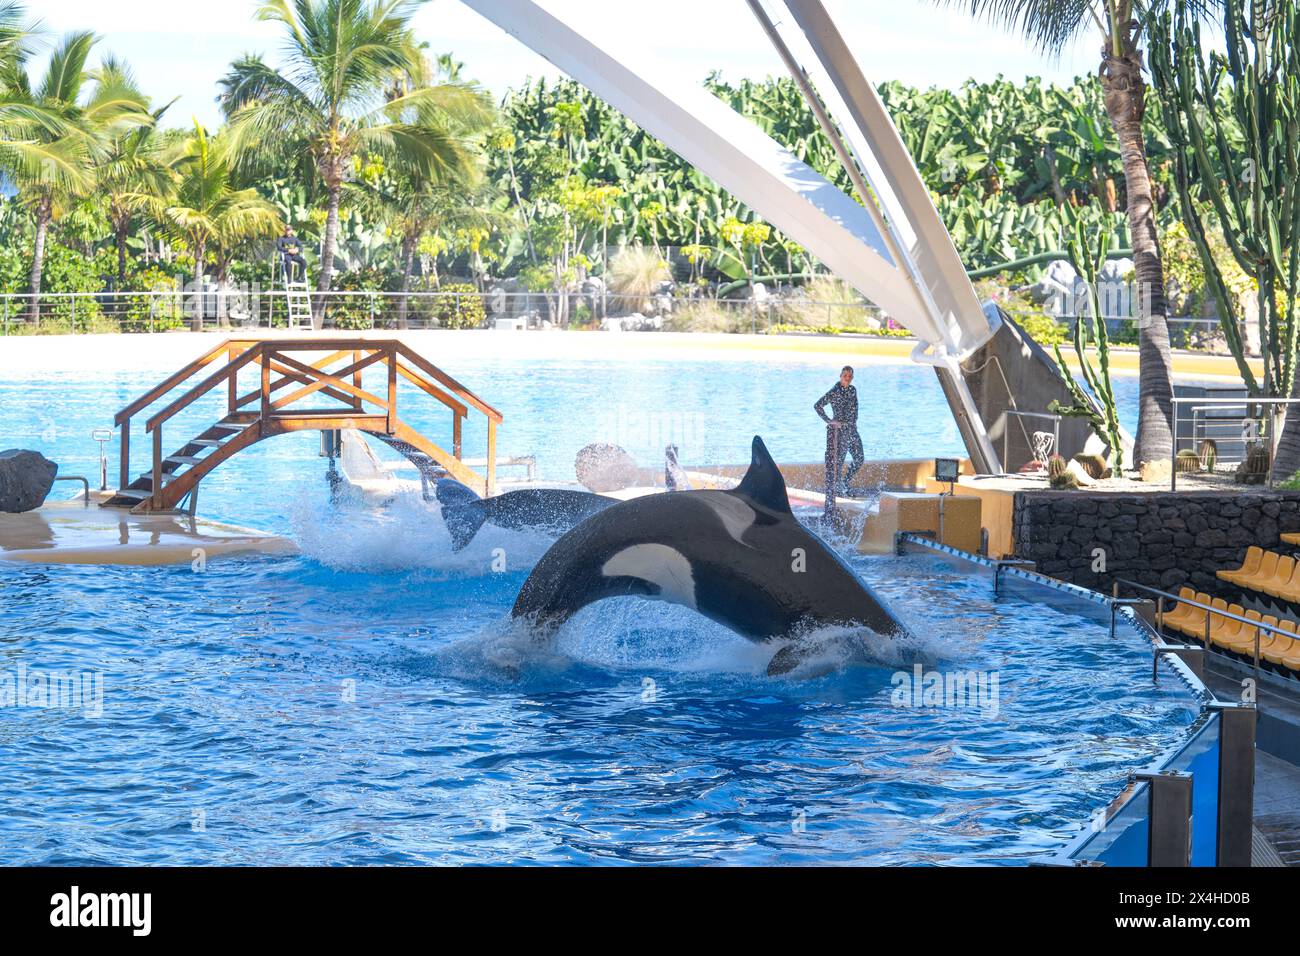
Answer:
(288, 376)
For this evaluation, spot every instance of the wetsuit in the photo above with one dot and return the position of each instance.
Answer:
(844, 410)
(290, 251)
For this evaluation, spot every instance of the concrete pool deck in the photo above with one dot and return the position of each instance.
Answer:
(72, 532)
(97, 353)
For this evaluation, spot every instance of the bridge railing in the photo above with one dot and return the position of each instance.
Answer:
(281, 366)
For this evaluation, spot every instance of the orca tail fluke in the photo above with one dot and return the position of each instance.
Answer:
(449, 491)
(462, 510)
(763, 482)
(463, 522)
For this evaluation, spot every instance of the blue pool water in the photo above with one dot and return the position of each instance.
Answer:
(368, 702)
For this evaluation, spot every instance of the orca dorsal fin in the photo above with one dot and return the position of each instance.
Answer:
(763, 482)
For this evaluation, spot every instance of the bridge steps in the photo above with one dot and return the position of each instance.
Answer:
(261, 413)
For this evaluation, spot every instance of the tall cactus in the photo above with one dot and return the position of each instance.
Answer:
(1088, 259)
(1234, 120)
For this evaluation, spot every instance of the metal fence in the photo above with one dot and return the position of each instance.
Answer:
(251, 307)
(237, 308)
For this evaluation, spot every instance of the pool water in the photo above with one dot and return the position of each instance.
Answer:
(368, 700)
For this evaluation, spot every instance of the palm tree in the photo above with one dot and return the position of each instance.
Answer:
(328, 97)
(64, 122)
(205, 209)
(416, 208)
(134, 163)
(1051, 24)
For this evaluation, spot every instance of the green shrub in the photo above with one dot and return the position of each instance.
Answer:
(463, 311)
(1043, 329)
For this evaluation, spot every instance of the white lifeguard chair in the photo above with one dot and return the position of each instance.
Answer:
(297, 292)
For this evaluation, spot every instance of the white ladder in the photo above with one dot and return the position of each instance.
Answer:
(297, 297)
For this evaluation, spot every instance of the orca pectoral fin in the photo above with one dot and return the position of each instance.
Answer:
(785, 660)
(803, 658)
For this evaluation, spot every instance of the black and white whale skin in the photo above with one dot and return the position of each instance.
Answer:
(551, 510)
(739, 557)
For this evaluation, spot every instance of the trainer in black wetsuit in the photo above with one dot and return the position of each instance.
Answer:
(842, 427)
(290, 250)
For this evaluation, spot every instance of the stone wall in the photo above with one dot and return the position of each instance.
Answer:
(1162, 540)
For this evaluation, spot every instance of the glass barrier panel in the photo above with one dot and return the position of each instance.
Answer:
(1124, 839)
(1200, 758)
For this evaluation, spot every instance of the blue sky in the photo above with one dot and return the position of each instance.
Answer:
(180, 47)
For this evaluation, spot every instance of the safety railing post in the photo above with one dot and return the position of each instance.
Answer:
(124, 456)
(1173, 457)
(265, 360)
(391, 424)
(157, 468)
(356, 380)
(1236, 801)
(1169, 835)
(492, 456)
(232, 392)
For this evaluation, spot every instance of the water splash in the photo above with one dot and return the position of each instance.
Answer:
(361, 532)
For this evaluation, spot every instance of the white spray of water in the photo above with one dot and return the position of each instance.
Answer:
(404, 532)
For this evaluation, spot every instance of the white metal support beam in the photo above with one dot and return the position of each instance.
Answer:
(895, 179)
(728, 147)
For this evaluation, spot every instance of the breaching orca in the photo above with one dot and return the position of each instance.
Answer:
(739, 557)
(552, 510)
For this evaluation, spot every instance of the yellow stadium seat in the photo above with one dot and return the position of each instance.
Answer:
(1291, 538)
(1244, 643)
(1290, 591)
(1248, 566)
(1197, 624)
(1190, 620)
(1279, 651)
(1222, 628)
(1175, 616)
(1267, 565)
(1283, 649)
(1281, 576)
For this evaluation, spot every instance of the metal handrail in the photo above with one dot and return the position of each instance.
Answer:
(1228, 403)
(84, 481)
(1209, 609)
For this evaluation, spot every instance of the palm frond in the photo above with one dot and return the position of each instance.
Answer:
(428, 152)
(67, 70)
